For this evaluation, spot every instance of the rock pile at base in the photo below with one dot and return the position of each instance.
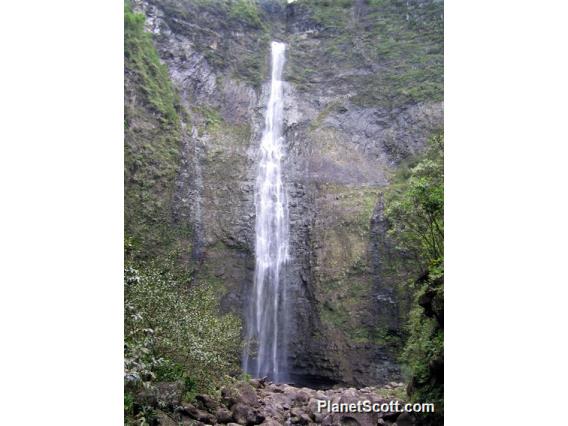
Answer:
(260, 402)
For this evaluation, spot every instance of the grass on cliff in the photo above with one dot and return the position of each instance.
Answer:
(398, 43)
(152, 145)
(141, 58)
(246, 11)
(215, 25)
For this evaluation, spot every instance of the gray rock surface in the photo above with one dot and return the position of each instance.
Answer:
(345, 138)
(285, 405)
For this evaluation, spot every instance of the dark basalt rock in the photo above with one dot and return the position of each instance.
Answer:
(207, 403)
(284, 404)
(341, 150)
(189, 410)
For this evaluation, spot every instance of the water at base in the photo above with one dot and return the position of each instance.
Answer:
(265, 347)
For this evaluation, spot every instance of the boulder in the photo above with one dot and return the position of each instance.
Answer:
(312, 406)
(228, 396)
(246, 395)
(271, 422)
(189, 410)
(276, 388)
(349, 420)
(327, 420)
(207, 403)
(300, 397)
(246, 415)
(354, 418)
(164, 420)
(242, 393)
(405, 419)
(223, 415)
(298, 416)
(207, 418)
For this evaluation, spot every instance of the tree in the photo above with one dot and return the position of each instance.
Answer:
(415, 207)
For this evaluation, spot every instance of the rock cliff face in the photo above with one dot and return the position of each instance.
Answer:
(363, 92)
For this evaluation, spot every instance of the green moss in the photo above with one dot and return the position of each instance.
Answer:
(344, 298)
(246, 11)
(151, 153)
(211, 117)
(424, 351)
(356, 205)
(414, 213)
(251, 66)
(141, 58)
(251, 63)
(330, 13)
(401, 42)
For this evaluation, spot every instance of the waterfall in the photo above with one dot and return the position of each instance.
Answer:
(265, 348)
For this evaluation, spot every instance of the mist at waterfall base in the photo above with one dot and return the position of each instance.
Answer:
(266, 317)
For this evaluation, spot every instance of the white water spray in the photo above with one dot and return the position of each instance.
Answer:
(265, 351)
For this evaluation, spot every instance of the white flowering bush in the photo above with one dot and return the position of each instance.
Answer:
(176, 332)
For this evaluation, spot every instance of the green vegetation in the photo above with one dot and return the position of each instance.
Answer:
(398, 42)
(406, 41)
(331, 13)
(252, 66)
(174, 334)
(246, 11)
(211, 117)
(344, 280)
(152, 139)
(243, 56)
(397, 393)
(414, 208)
(141, 59)
(424, 350)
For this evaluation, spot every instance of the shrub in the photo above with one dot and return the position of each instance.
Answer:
(176, 333)
(415, 208)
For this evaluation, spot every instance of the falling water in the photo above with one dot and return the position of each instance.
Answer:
(265, 352)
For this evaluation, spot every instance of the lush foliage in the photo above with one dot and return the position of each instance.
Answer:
(141, 58)
(414, 209)
(246, 11)
(152, 140)
(424, 350)
(173, 333)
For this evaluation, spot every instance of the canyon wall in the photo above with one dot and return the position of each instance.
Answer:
(363, 93)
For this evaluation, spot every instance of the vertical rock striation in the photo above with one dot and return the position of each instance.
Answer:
(362, 92)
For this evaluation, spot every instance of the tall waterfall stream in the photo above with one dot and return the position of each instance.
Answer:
(265, 351)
